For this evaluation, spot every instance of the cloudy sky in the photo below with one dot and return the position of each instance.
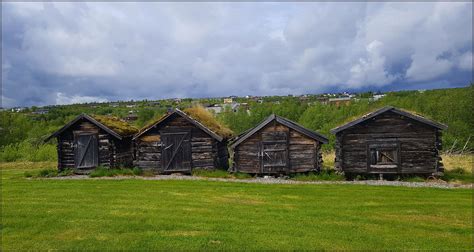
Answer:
(59, 53)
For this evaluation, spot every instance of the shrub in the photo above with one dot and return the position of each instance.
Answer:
(28, 174)
(99, 172)
(211, 173)
(66, 172)
(323, 175)
(137, 171)
(26, 151)
(48, 173)
(458, 175)
(240, 175)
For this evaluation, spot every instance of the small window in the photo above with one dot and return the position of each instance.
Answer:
(383, 157)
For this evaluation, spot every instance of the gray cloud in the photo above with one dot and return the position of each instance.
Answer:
(56, 53)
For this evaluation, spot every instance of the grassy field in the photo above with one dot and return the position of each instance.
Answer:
(130, 214)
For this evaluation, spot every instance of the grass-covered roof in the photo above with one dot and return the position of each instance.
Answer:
(116, 124)
(202, 116)
(206, 118)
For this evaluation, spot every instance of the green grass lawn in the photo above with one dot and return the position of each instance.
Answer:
(130, 214)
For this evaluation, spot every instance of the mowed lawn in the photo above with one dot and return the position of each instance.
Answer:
(133, 214)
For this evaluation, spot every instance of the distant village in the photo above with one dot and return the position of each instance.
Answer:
(216, 105)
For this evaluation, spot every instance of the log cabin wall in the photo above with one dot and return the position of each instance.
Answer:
(303, 153)
(122, 154)
(111, 151)
(419, 145)
(206, 152)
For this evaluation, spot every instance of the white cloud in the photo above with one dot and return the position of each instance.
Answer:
(371, 69)
(62, 99)
(158, 50)
(465, 61)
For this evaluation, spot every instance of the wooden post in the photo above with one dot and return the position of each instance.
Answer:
(465, 144)
(452, 147)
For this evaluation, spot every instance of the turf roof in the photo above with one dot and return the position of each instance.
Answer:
(205, 117)
(116, 124)
(200, 115)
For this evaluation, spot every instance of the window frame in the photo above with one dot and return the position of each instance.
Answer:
(380, 146)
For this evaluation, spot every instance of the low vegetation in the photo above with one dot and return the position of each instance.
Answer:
(22, 134)
(323, 175)
(48, 173)
(220, 174)
(27, 151)
(458, 169)
(116, 124)
(106, 172)
(207, 118)
(129, 215)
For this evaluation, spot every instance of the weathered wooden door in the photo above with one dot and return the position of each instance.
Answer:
(176, 151)
(86, 154)
(274, 152)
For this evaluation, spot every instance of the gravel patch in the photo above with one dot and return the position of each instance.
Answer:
(271, 180)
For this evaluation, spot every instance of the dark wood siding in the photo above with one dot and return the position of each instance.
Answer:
(110, 151)
(205, 151)
(296, 151)
(418, 145)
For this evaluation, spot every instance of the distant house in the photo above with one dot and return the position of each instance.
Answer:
(339, 101)
(234, 107)
(228, 100)
(114, 105)
(389, 141)
(18, 109)
(90, 141)
(41, 111)
(378, 97)
(215, 108)
(303, 98)
(323, 100)
(131, 117)
(155, 103)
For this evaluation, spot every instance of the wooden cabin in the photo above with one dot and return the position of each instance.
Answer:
(389, 141)
(180, 142)
(90, 141)
(277, 146)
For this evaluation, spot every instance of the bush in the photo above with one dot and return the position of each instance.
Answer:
(211, 173)
(458, 175)
(99, 172)
(137, 171)
(323, 175)
(66, 172)
(48, 173)
(28, 174)
(240, 175)
(106, 172)
(26, 151)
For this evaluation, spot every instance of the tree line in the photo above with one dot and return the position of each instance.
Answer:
(22, 134)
